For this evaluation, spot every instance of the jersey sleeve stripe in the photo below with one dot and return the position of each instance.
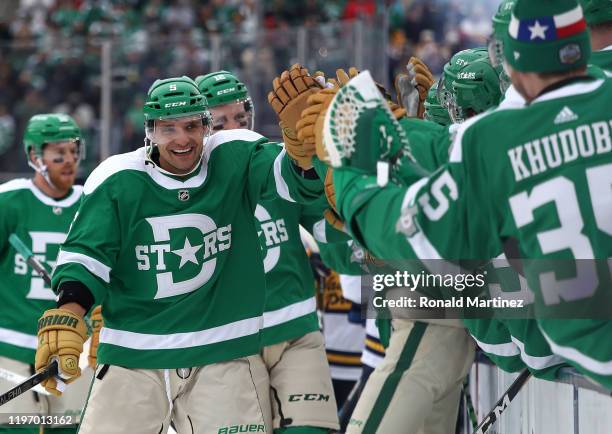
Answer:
(572, 354)
(93, 265)
(411, 193)
(504, 350)
(289, 313)
(148, 341)
(281, 185)
(537, 362)
(18, 339)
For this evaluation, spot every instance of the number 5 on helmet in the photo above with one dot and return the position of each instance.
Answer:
(61, 335)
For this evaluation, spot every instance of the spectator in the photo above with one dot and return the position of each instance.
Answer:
(359, 9)
(7, 129)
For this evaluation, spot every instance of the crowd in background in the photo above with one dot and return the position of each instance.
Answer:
(50, 50)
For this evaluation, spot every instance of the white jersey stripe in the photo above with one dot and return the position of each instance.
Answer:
(537, 362)
(18, 339)
(281, 185)
(504, 350)
(27, 184)
(572, 354)
(147, 341)
(93, 265)
(288, 313)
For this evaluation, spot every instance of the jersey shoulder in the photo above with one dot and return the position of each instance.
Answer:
(15, 192)
(15, 185)
(116, 164)
(538, 117)
(229, 137)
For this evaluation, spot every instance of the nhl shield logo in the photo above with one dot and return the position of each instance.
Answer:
(183, 195)
(57, 210)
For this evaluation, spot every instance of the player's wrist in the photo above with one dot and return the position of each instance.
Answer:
(75, 294)
(75, 308)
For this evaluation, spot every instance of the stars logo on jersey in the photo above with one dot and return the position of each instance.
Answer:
(183, 195)
(187, 253)
(201, 241)
(44, 246)
(274, 233)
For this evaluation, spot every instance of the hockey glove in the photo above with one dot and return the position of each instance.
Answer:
(61, 334)
(310, 126)
(96, 324)
(413, 86)
(288, 98)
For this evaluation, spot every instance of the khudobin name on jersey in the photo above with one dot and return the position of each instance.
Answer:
(42, 224)
(176, 262)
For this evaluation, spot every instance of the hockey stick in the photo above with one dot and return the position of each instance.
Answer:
(345, 413)
(468, 403)
(503, 402)
(32, 261)
(14, 378)
(49, 371)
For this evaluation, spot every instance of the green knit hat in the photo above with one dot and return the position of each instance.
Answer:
(597, 11)
(547, 36)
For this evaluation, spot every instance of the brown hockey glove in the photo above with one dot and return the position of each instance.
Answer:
(61, 334)
(334, 220)
(344, 77)
(310, 126)
(423, 77)
(330, 191)
(288, 98)
(96, 324)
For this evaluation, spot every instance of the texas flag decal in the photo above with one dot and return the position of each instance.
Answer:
(545, 29)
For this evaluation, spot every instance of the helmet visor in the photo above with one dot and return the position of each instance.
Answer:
(443, 92)
(178, 129)
(495, 48)
(454, 110)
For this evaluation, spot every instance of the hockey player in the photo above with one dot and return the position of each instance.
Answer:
(39, 212)
(294, 352)
(434, 111)
(495, 47)
(598, 15)
(495, 188)
(158, 238)
(512, 344)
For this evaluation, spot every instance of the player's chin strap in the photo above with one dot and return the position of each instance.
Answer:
(41, 168)
(150, 146)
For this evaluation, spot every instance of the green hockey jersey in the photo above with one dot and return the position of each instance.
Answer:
(602, 58)
(176, 262)
(545, 183)
(512, 344)
(41, 222)
(291, 308)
